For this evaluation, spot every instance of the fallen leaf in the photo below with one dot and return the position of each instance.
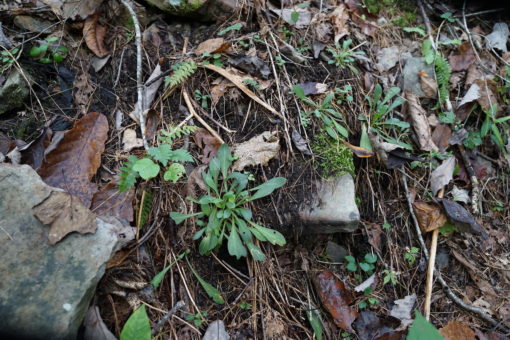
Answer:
(359, 151)
(150, 91)
(109, 201)
(207, 143)
(339, 18)
(118, 258)
(252, 65)
(361, 17)
(430, 217)
(402, 310)
(82, 92)
(258, 150)
(216, 45)
(441, 136)
(487, 92)
(65, 214)
(464, 59)
(471, 95)
(94, 34)
(462, 218)
(33, 154)
(6, 144)
(457, 330)
(420, 122)
(473, 74)
(72, 9)
(152, 121)
(428, 85)
(94, 326)
(130, 141)
(399, 157)
(374, 233)
(442, 175)
(304, 16)
(370, 327)
(151, 34)
(76, 159)
(313, 88)
(498, 38)
(336, 299)
(460, 195)
(300, 143)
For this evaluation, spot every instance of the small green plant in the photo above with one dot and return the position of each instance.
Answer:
(498, 206)
(387, 226)
(332, 119)
(389, 277)
(447, 117)
(197, 319)
(367, 265)
(7, 58)
(343, 56)
(421, 329)
(473, 140)
(202, 98)
(494, 127)
(369, 301)
(345, 336)
(286, 33)
(149, 166)
(214, 58)
(49, 51)
(410, 255)
(182, 71)
(419, 30)
(137, 327)
(343, 94)
(380, 110)
(442, 69)
(235, 27)
(224, 213)
(448, 17)
(245, 305)
(250, 82)
(279, 61)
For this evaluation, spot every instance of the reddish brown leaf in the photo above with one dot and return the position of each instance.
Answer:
(374, 232)
(216, 45)
(336, 299)
(359, 151)
(441, 136)
(208, 143)
(78, 156)
(65, 214)
(457, 330)
(430, 217)
(82, 92)
(463, 59)
(109, 201)
(94, 34)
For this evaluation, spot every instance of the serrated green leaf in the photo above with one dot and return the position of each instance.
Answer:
(146, 168)
(180, 155)
(294, 17)
(137, 327)
(161, 153)
(174, 172)
(418, 30)
(421, 329)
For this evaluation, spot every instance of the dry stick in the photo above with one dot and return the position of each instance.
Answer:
(478, 311)
(195, 114)
(139, 84)
(167, 316)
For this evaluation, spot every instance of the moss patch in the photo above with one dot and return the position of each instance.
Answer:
(333, 157)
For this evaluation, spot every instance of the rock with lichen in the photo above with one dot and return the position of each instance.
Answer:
(13, 92)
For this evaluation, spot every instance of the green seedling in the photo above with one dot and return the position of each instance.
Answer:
(49, 51)
(410, 255)
(202, 99)
(7, 58)
(215, 58)
(343, 56)
(252, 83)
(494, 127)
(223, 212)
(369, 301)
(389, 277)
(197, 319)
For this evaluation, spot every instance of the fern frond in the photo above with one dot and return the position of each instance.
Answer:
(144, 209)
(175, 132)
(443, 73)
(174, 172)
(128, 176)
(180, 155)
(182, 71)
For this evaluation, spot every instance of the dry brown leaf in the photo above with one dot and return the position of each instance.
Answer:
(243, 88)
(473, 74)
(72, 9)
(258, 150)
(488, 88)
(65, 214)
(94, 34)
(339, 19)
(464, 58)
(361, 17)
(82, 93)
(457, 330)
(442, 175)
(76, 159)
(109, 201)
(207, 143)
(218, 91)
(420, 122)
(430, 217)
(428, 85)
(374, 232)
(441, 136)
(216, 45)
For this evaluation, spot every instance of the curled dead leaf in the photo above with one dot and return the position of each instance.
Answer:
(94, 34)
(359, 151)
(420, 122)
(216, 45)
(207, 143)
(430, 217)
(258, 150)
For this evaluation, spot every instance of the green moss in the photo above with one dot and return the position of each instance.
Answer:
(403, 12)
(333, 157)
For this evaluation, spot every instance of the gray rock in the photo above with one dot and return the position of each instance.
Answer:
(387, 58)
(45, 290)
(335, 252)
(216, 331)
(13, 92)
(333, 209)
(410, 74)
(498, 38)
(202, 10)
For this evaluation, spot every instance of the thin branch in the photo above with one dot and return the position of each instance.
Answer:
(139, 83)
(167, 316)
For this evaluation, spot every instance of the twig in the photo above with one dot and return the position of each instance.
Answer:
(446, 288)
(139, 84)
(475, 186)
(195, 114)
(167, 316)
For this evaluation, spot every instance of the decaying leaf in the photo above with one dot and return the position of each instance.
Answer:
(420, 122)
(365, 284)
(430, 217)
(441, 136)
(460, 195)
(428, 84)
(442, 175)
(82, 93)
(371, 327)
(109, 201)
(359, 151)
(216, 45)
(65, 214)
(481, 91)
(33, 154)
(94, 34)
(300, 143)
(313, 88)
(258, 150)
(462, 218)
(252, 65)
(463, 60)
(304, 16)
(95, 328)
(498, 37)
(374, 232)
(336, 299)
(402, 310)
(457, 330)
(339, 18)
(208, 143)
(130, 141)
(74, 10)
(77, 157)
(361, 17)
(149, 93)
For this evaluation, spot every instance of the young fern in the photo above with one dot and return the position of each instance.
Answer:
(145, 209)
(182, 71)
(175, 132)
(443, 73)
(128, 176)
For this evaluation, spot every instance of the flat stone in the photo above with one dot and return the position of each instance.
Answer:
(45, 290)
(336, 252)
(13, 92)
(333, 209)
(387, 58)
(411, 80)
(202, 10)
